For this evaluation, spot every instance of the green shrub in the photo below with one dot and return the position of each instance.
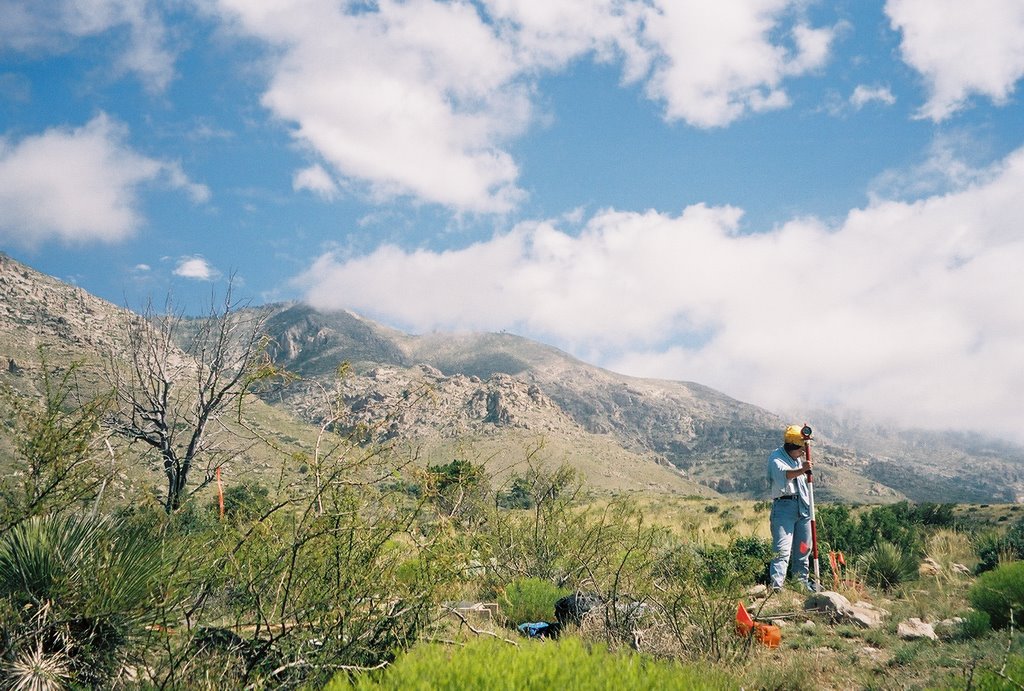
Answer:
(836, 527)
(457, 488)
(517, 497)
(1012, 677)
(901, 524)
(999, 591)
(246, 501)
(750, 558)
(991, 547)
(563, 664)
(887, 566)
(934, 515)
(975, 624)
(742, 562)
(530, 599)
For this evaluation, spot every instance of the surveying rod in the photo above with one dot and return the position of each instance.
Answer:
(806, 434)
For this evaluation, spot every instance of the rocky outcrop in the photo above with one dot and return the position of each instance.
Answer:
(38, 311)
(422, 402)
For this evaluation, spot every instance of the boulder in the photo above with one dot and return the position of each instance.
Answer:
(914, 628)
(841, 611)
(929, 567)
(827, 600)
(866, 615)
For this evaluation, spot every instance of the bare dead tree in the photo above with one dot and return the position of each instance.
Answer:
(180, 381)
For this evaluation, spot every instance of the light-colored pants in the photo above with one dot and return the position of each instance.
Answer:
(791, 534)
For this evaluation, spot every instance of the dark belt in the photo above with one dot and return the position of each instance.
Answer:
(785, 496)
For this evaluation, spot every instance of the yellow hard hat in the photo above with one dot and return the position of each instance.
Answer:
(794, 435)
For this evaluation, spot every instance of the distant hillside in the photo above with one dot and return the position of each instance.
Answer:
(709, 437)
(507, 401)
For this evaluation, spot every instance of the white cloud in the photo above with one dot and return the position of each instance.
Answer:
(863, 95)
(74, 185)
(961, 49)
(31, 26)
(316, 180)
(414, 98)
(422, 99)
(78, 185)
(196, 268)
(548, 34)
(913, 310)
(718, 64)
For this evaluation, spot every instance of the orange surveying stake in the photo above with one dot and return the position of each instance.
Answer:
(806, 432)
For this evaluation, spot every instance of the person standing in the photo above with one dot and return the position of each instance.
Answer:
(791, 509)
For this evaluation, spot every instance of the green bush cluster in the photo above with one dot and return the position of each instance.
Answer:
(975, 624)
(991, 547)
(498, 666)
(999, 593)
(902, 524)
(529, 600)
(246, 501)
(718, 567)
(517, 496)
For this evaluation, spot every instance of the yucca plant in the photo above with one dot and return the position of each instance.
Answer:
(887, 566)
(80, 589)
(36, 670)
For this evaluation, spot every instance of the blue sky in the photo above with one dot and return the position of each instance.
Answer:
(798, 203)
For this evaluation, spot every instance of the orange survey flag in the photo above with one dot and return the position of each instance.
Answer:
(744, 622)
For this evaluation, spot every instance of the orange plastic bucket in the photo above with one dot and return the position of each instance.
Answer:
(768, 634)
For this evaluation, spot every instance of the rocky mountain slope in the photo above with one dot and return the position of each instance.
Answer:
(709, 437)
(498, 398)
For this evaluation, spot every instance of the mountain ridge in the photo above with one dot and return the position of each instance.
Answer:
(494, 394)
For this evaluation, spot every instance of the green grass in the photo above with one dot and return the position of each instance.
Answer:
(498, 666)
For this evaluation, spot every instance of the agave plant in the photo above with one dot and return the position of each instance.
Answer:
(887, 566)
(82, 588)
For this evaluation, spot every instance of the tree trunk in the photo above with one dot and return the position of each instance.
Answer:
(175, 489)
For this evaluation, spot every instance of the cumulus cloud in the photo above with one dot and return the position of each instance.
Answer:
(863, 95)
(911, 309)
(411, 98)
(196, 268)
(548, 35)
(78, 185)
(720, 64)
(422, 99)
(961, 49)
(74, 185)
(32, 26)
